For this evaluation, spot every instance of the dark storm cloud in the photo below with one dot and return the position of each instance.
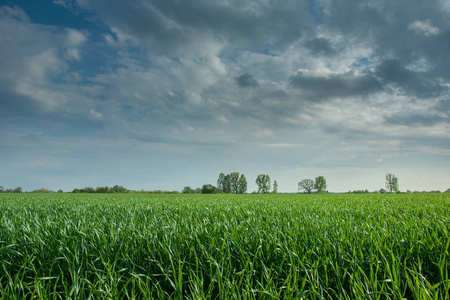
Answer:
(320, 46)
(413, 83)
(246, 81)
(321, 87)
(400, 36)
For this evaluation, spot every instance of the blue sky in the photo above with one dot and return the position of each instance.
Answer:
(154, 94)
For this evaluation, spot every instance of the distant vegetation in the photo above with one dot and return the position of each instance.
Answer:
(237, 184)
(319, 184)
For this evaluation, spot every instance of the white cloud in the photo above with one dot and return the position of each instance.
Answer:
(72, 54)
(424, 27)
(75, 38)
(95, 114)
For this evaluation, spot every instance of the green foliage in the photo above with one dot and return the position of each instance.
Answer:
(320, 184)
(102, 190)
(275, 187)
(42, 191)
(123, 246)
(232, 183)
(224, 183)
(210, 189)
(242, 185)
(307, 185)
(366, 191)
(17, 190)
(188, 190)
(263, 183)
(392, 183)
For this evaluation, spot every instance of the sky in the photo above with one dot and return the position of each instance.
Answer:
(163, 94)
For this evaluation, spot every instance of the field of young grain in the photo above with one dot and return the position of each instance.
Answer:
(82, 246)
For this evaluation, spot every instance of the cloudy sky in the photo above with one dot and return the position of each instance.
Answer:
(162, 94)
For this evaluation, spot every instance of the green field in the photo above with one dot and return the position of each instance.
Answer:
(125, 246)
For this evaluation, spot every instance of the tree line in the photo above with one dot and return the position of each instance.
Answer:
(234, 183)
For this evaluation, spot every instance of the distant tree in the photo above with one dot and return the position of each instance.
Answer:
(234, 182)
(447, 191)
(307, 185)
(320, 184)
(102, 190)
(224, 183)
(60, 191)
(242, 185)
(210, 189)
(221, 182)
(275, 187)
(392, 183)
(42, 191)
(88, 190)
(118, 189)
(263, 183)
(17, 190)
(188, 190)
(2, 189)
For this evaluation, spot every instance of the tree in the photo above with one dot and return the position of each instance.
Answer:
(102, 190)
(42, 190)
(263, 183)
(321, 184)
(188, 190)
(275, 187)
(234, 182)
(307, 185)
(17, 190)
(118, 189)
(224, 183)
(242, 185)
(210, 189)
(392, 183)
(2, 189)
(221, 182)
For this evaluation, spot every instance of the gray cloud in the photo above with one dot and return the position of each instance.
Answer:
(400, 35)
(320, 46)
(423, 119)
(171, 24)
(246, 81)
(322, 87)
(413, 83)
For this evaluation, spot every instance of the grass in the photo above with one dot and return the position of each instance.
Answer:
(91, 246)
